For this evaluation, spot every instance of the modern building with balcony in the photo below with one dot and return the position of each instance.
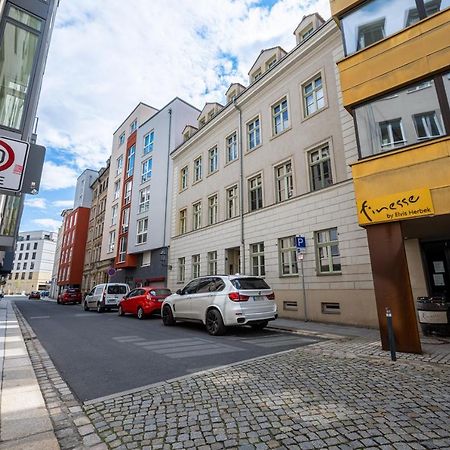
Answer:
(273, 163)
(395, 79)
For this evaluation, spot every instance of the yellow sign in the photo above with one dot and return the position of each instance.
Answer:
(394, 207)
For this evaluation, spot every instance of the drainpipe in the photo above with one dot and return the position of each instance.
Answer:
(167, 178)
(241, 184)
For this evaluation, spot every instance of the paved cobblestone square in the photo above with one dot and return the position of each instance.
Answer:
(303, 399)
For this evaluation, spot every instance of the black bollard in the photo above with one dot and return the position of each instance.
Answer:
(391, 334)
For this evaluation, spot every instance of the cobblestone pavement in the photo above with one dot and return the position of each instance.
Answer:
(72, 426)
(300, 399)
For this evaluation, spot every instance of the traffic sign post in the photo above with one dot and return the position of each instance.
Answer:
(300, 247)
(13, 159)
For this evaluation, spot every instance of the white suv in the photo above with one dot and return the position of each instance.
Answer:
(220, 301)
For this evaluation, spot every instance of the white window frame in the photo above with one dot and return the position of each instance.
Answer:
(125, 219)
(326, 247)
(213, 160)
(287, 256)
(184, 174)
(114, 211)
(423, 118)
(213, 209)
(182, 221)
(119, 166)
(317, 94)
(116, 190)
(147, 168)
(392, 144)
(198, 169)
(133, 126)
(231, 147)
(197, 215)
(320, 162)
(122, 249)
(196, 267)
(284, 183)
(212, 262)
(254, 132)
(122, 139)
(181, 274)
(257, 260)
(127, 192)
(144, 199)
(141, 231)
(232, 201)
(131, 160)
(283, 110)
(149, 139)
(254, 188)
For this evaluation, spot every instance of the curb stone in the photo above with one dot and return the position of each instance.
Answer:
(66, 413)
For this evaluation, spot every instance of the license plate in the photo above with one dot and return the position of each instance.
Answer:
(258, 298)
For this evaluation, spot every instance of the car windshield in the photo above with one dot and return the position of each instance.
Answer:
(117, 289)
(249, 283)
(160, 292)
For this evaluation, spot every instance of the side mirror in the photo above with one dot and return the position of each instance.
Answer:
(180, 292)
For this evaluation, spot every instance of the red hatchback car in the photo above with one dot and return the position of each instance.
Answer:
(70, 295)
(143, 301)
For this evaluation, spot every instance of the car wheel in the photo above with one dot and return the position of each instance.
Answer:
(214, 323)
(259, 325)
(58, 301)
(140, 313)
(85, 306)
(167, 316)
(120, 311)
(99, 308)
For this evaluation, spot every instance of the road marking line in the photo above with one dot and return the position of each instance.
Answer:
(40, 317)
(176, 341)
(215, 348)
(203, 353)
(157, 345)
(125, 339)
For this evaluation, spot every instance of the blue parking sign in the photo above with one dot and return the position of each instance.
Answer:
(300, 243)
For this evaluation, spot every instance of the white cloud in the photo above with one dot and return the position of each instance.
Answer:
(63, 203)
(48, 224)
(40, 203)
(57, 176)
(100, 67)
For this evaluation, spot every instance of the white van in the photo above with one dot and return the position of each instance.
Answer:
(105, 296)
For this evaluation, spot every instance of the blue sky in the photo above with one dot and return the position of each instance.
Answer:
(104, 60)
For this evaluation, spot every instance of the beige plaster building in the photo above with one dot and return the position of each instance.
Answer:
(274, 163)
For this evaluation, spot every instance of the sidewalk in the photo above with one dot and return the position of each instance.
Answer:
(24, 420)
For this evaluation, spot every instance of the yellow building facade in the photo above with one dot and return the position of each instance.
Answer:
(395, 80)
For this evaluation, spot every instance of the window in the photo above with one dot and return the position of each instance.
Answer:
(231, 144)
(253, 134)
(119, 166)
(111, 241)
(122, 138)
(212, 263)
(127, 194)
(197, 215)
(327, 251)
(133, 126)
(182, 221)
(181, 270)
(22, 276)
(288, 256)
(431, 7)
(212, 209)
(307, 33)
(213, 158)
(147, 170)
(21, 246)
(114, 215)
(257, 75)
(320, 168)
(116, 190)
(31, 265)
(391, 132)
(20, 256)
(148, 142)
(419, 87)
(144, 199)
(16, 276)
(28, 247)
(195, 266)
(198, 169)
(284, 181)
(313, 99)
(19, 46)
(280, 116)
(374, 20)
(427, 125)
(232, 202)
(125, 219)
(255, 193)
(18, 266)
(141, 234)
(122, 249)
(30, 276)
(272, 61)
(35, 246)
(130, 160)
(25, 266)
(184, 178)
(257, 259)
(33, 256)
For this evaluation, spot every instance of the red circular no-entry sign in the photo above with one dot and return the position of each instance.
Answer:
(6, 156)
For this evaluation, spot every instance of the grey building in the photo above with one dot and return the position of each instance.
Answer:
(25, 31)
(83, 190)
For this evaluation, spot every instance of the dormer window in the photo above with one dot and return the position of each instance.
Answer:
(202, 122)
(307, 33)
(271, 63)
(257, 75)
(232, 96)
(186, 136)
(211, 114)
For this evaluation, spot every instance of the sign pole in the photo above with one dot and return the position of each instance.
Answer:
(300, 257)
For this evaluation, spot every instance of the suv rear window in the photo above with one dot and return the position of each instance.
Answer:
(249, 283)
(117, 289)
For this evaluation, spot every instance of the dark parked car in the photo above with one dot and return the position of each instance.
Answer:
(69, 295)
(34, 294)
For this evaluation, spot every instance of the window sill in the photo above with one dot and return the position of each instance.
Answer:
(291, 275)
(182, 190)
(197, 181)
(212, 173)
(281, 133)
(250, 150)
(231, 162)
(315, 113)
(327, 274)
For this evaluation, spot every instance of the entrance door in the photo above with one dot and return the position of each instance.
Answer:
(232, 260)
(437, 260)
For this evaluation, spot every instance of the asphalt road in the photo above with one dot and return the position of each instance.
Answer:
(102, 354)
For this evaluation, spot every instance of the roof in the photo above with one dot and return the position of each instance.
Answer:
(132, 112)
(267, 50)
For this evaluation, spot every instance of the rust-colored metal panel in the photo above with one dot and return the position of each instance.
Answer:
(339, 7)
(392, 286)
